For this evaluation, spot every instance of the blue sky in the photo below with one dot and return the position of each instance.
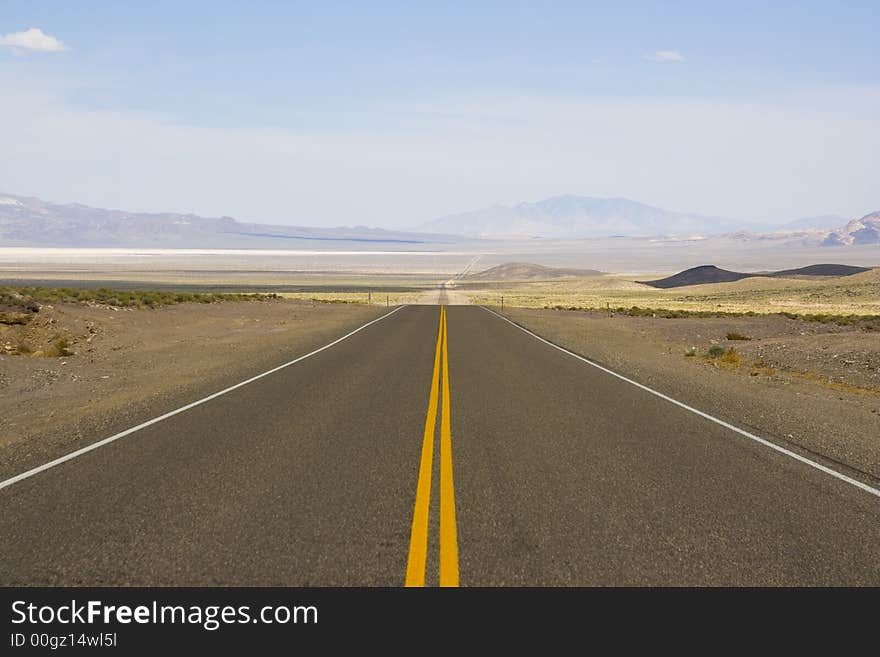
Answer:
(394, 113)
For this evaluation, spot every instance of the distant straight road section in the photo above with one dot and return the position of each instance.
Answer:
(536, 468)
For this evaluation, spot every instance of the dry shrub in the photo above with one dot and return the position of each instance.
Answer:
(731, 357)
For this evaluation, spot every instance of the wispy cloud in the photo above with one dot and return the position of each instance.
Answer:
(32, 40)
(666, 56)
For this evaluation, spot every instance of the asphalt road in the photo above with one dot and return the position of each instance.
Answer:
(535, 469)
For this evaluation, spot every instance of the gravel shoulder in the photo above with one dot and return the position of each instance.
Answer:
(805, 385)
(128, 365)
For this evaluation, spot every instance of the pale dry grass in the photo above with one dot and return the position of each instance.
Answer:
(859, 294)
(377, 298)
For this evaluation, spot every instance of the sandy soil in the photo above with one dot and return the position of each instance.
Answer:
(128, 365)
(809, 385)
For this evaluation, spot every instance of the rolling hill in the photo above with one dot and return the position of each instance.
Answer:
(712, 274)
(819, 270)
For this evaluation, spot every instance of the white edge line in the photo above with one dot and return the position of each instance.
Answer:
(143, 425)
(813, 464)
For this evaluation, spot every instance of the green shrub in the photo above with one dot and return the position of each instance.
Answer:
(715, 351)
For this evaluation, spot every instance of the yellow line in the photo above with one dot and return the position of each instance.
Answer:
(448, 532)
(418, 539)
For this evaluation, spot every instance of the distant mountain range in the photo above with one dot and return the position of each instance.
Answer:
(577, 217)
(572, 217)
(28, 221)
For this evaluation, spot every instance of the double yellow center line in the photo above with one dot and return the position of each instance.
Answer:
(418, 541)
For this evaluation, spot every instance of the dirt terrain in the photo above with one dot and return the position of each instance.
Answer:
(809, 385)
(121, 366)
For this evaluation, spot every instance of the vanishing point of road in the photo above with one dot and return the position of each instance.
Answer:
(437, 446)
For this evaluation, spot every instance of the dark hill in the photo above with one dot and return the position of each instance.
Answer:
(820, 270)
(697, 276)
(711, 274)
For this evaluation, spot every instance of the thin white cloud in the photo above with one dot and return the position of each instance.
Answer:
(32, 40)
(666, 56)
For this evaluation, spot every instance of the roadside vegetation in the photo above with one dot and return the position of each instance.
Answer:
(26, 331)
(375, 298)
(28, 299)
(868, 322)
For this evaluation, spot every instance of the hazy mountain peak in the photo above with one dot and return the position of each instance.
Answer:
(570, 216)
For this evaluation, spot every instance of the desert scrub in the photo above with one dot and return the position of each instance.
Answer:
(731, 357)
(11, 319)
(737, 336)
(31, 297)
(761, 368)
(22, 348)
(727, 356)
(867, 322)
(13, 298)
(59, 347)
(334, 300)
(840, 386)
(690, 352)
